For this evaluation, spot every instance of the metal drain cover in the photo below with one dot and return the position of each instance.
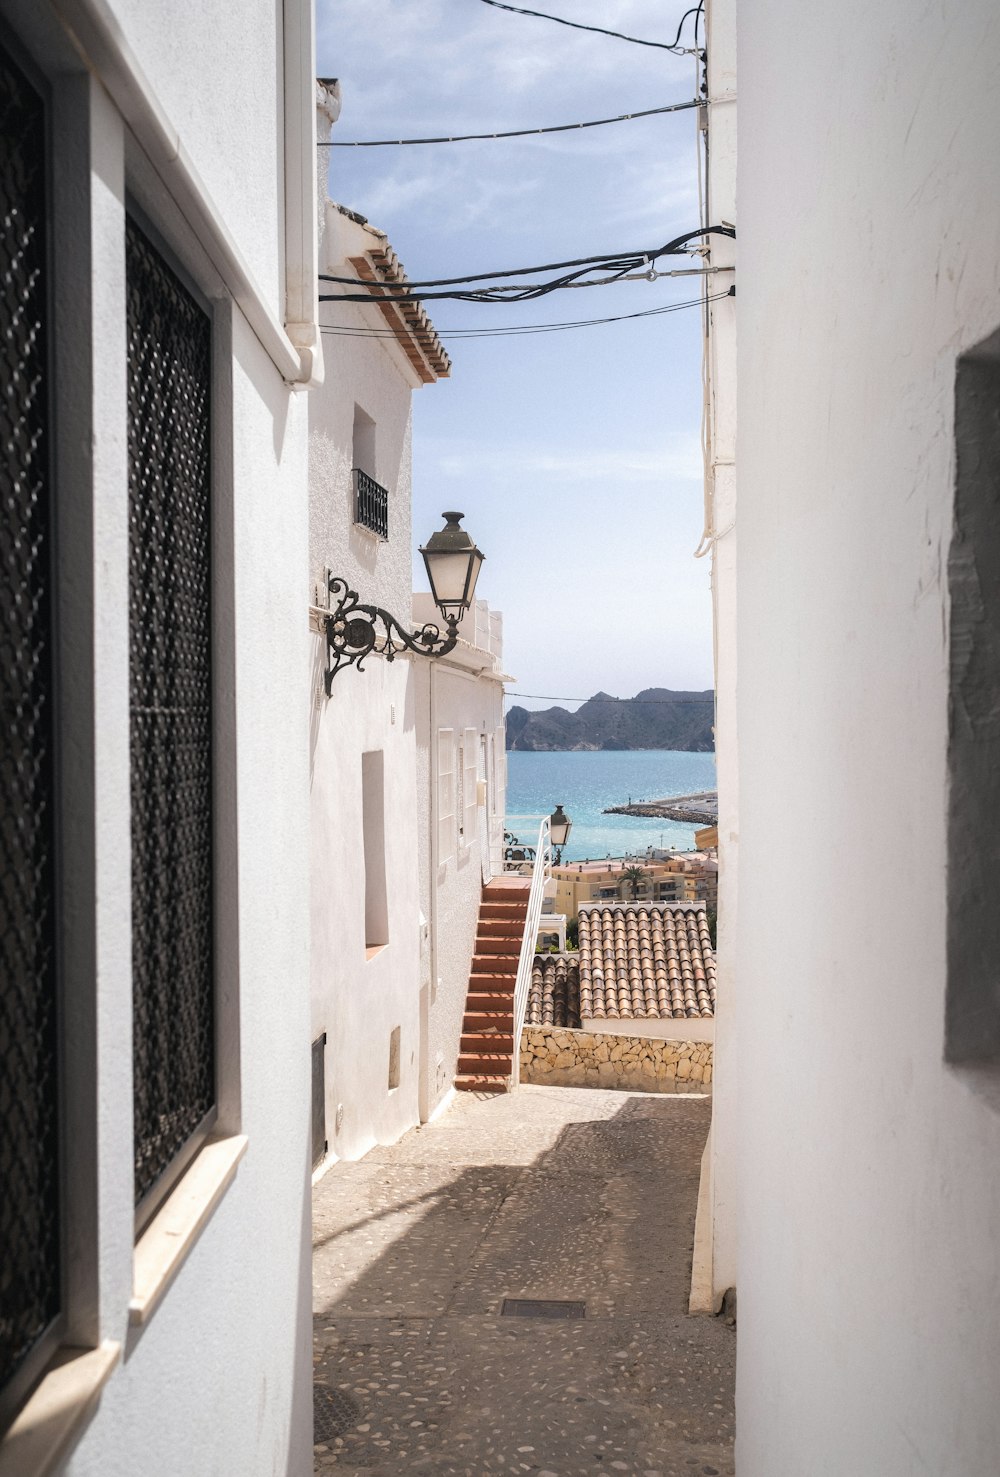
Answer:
(333, 1413)
(541, 1308)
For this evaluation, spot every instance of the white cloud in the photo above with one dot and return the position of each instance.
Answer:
(679, 458)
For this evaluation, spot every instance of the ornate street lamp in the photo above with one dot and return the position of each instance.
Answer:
(560, 826)
(453, 563)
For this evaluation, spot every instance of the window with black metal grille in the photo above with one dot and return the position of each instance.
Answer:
(170, 676)
(30, 1294)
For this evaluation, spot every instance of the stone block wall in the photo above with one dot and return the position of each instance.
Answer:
(551, 1057)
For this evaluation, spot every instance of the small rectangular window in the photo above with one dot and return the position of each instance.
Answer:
(373, 824)
(363, 442)
(446, 793)
(394, 1059)
(371, 499)
(319, 1141)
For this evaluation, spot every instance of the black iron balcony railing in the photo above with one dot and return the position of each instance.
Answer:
(371, 504)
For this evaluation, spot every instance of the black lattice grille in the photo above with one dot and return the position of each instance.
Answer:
(169, 379)
(29, 1201)
(371, 504)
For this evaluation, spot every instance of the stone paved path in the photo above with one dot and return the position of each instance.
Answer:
(562, 1193)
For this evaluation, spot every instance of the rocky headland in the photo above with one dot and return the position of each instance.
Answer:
(656, 718)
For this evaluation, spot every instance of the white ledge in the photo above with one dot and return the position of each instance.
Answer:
(63, 1400)
(163, 1247)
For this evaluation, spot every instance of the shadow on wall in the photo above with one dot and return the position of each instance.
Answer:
(317, 699)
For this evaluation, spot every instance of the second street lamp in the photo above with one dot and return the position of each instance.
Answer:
(560, 826)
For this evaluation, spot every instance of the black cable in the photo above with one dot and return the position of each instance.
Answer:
(462, 138)
(582, 261)
(618, 266)
(524, 328)
(599, 30)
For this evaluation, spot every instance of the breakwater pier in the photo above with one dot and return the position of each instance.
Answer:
(696, 810)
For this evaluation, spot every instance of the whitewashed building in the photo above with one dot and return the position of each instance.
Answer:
(158, 315)
(406, 755)
(867, 1057)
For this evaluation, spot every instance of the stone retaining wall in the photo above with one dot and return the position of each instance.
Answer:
(551, 1057)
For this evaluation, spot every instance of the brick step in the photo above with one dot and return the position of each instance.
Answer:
(499, 928)
(477, 1082)
(479, 1044)
(487, 1019)
(492, 1063)
(511, 946)
(487, 977)
(508, 895)
(497, 972)
(480, 1002)
(503, 910)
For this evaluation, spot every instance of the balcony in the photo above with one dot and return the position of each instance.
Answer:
(371, 504)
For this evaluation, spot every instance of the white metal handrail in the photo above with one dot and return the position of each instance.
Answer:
(541, 870)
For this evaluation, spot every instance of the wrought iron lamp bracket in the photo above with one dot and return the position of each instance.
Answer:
(353, 633)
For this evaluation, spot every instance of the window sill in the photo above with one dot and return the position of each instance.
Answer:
(44, 1431)
(373, 951)
(370, 533)
(163, 1247)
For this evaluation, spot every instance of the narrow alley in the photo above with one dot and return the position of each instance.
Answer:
(554, 1194)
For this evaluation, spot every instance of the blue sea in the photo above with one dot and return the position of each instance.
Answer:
(584, 783)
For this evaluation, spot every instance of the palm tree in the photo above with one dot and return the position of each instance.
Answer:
(633, 876)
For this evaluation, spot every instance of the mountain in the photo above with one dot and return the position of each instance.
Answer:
(655, 718)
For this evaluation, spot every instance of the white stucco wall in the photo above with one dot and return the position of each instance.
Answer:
(869, 1290)
(224, 1363)
(373, 374)
(224, 102)
(358, 1000)
(450, 695)
(722, 1161)
(218, 1380)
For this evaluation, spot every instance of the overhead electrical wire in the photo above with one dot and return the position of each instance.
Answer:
(580, 261)
(462, 138)
(645, 702)
(342, 331)
(618, 266)
(673, 46)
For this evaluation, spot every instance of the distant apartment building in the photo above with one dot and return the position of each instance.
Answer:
(688, 877)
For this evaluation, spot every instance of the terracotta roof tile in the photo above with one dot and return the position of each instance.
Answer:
(554, 993)
(645, 960)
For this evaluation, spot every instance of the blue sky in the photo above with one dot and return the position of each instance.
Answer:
(575, 455)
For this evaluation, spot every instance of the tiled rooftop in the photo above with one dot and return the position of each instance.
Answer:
(381, 271)
(639, 960)
(554, 995)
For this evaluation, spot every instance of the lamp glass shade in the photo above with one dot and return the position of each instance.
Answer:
(560, 826)
(453, 563)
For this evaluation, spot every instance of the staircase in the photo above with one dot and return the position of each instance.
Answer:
(486, 1053)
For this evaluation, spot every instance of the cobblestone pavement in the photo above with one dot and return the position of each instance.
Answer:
(548, 1193)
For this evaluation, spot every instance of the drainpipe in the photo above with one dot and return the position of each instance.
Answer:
(432, 759)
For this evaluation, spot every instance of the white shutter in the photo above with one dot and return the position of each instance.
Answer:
(446, 793)
(470, 788)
